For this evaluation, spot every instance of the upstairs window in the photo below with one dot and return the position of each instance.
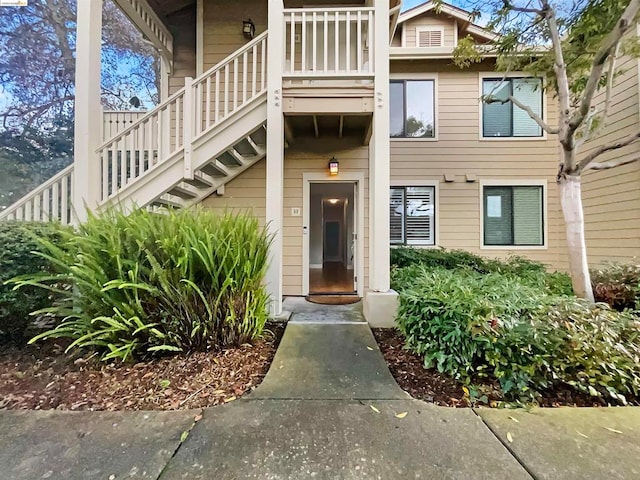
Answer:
(412, 109)
(506, 119)
(513, 215)
(412, 215)
(429, 37)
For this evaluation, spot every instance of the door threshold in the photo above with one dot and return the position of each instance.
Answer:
(333, 294)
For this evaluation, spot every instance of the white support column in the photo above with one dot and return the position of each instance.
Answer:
(88, 112)
(380, 302)
(275, 152)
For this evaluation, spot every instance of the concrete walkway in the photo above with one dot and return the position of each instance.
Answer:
(328, 409)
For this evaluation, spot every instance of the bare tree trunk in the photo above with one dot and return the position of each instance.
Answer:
(571, 202)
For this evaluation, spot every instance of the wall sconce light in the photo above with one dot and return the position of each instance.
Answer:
(333, 166)
(248, 29)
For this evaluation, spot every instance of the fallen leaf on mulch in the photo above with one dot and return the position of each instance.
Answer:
(401, 415)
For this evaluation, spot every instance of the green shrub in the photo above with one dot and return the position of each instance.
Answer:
(149, 282)
(618, 285)
(18, 241)
(445, 315)
(525, 270)
(471, 325)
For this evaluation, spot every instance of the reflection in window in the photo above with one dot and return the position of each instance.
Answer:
(412, 109)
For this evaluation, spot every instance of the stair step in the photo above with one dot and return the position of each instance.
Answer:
(214, 170)
(201, 180)
(167, 202)
(184, 192)
(229, 160)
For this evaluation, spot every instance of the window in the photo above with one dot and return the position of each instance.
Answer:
(429, 37)
(412, 109)
(506, 119)
(412, 214)
(513, 215)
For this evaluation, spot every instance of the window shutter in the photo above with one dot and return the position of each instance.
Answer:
(429, 38)
(529, 92)
(497, 216)
(420, 205)
(496, 117)
(527, 216)
(396, 215)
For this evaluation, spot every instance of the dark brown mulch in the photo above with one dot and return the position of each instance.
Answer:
(406, 367)
(431, 386)
(44, 377)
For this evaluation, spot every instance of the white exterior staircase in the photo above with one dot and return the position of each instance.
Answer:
(177, 154)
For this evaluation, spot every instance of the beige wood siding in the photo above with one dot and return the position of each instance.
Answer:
(246, 192)
(611, 198)
(308, 155)
(183, 29)
(223, 27)
(429, 20)
(459, 151)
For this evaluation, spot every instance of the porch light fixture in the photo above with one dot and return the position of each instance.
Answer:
(248, 29)
(333, 201)
(333, 166)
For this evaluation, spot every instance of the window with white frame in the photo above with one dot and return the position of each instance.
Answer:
(412, 109)
(412, 215)
(513, 215)
(429, 37)
(501, 117)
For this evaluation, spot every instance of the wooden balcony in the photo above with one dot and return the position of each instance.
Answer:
(329, 43)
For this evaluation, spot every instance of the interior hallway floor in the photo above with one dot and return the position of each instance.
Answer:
(333, 278)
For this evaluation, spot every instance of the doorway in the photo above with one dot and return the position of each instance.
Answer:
(332, 232)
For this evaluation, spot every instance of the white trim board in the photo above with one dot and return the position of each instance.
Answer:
(349, 178)
(451, 10)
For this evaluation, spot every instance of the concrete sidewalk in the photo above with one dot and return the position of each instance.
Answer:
(329, 409)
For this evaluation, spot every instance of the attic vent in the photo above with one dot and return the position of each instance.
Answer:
(429, 37)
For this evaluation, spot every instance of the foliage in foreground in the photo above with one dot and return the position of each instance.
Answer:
(147, 283)
(618, 285)
(526, 271)
(19, 241)
(484, 326)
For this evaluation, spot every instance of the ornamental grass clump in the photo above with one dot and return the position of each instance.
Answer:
(147, 283)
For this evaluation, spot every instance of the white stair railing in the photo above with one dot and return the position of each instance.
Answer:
(154, 138)
(51, 201)
(329, 42)
(159, 135)
(115, 121)
(230, 84)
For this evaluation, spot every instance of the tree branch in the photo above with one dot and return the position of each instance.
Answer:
(612, 164)
(586, 161)
(534, 116)
(608, 46)
(510, 6)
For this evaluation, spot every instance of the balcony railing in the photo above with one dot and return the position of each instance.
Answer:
(329, 43)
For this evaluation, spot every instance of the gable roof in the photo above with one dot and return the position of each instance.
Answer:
(451, 10)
